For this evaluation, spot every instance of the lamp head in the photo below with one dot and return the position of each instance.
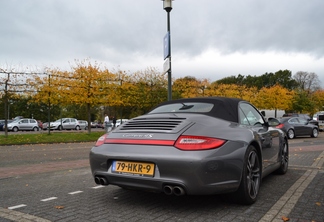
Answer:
(167, 5)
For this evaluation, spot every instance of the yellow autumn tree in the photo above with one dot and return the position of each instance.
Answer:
(318, 99)
(145, 89)
(274, 98)
(88, 84)
(190, 87)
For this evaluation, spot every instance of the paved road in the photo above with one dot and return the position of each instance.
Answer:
(54, 183)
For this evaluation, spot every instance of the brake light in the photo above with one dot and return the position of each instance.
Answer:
(198, 143)
(101, 140)
(280, 126)
(140, 141)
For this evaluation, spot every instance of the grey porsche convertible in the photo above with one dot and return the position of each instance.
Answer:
(194, 146)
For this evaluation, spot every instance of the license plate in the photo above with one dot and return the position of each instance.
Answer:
(135, 168)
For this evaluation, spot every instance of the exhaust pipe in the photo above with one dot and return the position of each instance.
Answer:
(168, 190)
(97, 180)
(101, 181)
(178, 191)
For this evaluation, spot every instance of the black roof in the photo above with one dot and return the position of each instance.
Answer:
(224, 107)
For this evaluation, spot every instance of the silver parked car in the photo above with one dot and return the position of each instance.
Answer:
(23, 124)
(65, 123)
(83, 124)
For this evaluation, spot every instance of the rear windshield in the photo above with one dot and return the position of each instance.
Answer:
(193, 107)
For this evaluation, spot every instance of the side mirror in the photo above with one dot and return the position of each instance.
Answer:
(266, 124)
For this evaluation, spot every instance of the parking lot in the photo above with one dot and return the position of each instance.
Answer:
(54, 183)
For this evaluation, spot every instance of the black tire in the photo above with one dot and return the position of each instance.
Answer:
(291, 134)
(86, 128)
(314, 133)
(60, 127)
(284, 153)
(248, 190)
(35, 129)
(15, 129)
(77, 128)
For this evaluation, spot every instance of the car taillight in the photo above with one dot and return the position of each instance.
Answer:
(280, 126)
(198, 143)
(101, 140)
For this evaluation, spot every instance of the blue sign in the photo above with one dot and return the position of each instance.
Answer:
(166, 45)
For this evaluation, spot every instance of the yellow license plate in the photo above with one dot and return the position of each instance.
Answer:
(138, 168)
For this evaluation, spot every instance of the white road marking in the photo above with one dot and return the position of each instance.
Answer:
(76, 192)
(17, 206)
(97, 187)
(48, 199)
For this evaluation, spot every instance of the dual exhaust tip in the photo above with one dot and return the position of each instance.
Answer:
(176, 190)
(168, 189)
(101, 181)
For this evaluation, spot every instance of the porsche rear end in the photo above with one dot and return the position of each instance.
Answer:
(170, 154)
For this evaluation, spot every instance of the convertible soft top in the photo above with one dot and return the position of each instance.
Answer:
(224, 107)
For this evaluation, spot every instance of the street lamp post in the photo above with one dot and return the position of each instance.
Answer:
(167, 6)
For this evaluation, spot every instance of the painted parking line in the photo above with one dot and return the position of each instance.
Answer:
(76, 192)
(17, 206)
(287, 202)
(48, 199)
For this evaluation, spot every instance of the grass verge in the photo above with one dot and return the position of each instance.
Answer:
(57, 137)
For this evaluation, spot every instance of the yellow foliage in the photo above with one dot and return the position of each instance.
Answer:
(276, 97)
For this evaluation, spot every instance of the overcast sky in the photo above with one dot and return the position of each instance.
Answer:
(210, 39)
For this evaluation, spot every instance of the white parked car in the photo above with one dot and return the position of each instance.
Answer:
(65, 123)
(120, 121)
(23, 124)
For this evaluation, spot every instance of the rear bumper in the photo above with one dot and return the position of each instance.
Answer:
(197, 172)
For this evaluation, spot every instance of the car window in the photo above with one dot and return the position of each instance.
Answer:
(24, 121)
(248, 115)
(32, 121)
(73, 121)
(303, 121)
(293, 120)
(193, 107)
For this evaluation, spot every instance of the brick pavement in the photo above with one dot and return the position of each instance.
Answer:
(303, 201)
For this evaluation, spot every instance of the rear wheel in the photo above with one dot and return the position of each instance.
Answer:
(314, 133)
(35, 129)
(291, 134)
(15, 129)
(248, 190)
(284, 159)
(77, 128)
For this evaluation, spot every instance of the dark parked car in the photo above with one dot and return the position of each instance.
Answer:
(297, 126)
(304, 116)
(2, 123)
(196, 146)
